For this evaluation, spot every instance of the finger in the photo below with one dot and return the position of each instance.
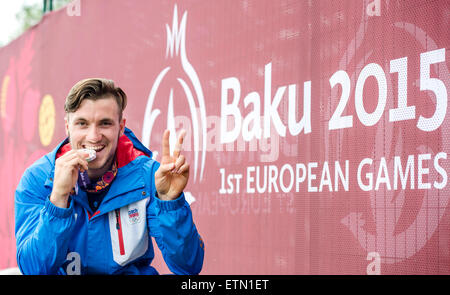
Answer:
(69, 155)
(87, 154)
(83, 164)
(177, 149)
(83, 154)
(178, 163)
(184, 168)
(77, 162)
(165, 146)
(165, 168)
(66, 158)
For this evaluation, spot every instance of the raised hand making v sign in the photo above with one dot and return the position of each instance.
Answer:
(173, 173)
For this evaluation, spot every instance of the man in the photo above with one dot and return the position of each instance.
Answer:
(67, 223)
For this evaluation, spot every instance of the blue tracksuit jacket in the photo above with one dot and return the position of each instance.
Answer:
(114, 240)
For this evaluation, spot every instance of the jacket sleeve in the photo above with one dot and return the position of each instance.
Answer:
(175, 233)
(172, 226)
(42, 229)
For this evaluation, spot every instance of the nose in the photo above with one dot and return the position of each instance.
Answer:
(94, 134)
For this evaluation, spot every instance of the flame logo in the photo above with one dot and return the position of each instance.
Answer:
(176, 39)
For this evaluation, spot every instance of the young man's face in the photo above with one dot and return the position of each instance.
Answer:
(95, 125)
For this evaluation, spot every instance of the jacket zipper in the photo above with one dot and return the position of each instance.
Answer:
(119, 232)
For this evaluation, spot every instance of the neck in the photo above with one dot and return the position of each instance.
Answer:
(95, 173)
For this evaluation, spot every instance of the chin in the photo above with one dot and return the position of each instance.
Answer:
(97, 166)
(101, 163)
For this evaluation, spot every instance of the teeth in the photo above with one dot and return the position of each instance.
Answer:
(95, 148)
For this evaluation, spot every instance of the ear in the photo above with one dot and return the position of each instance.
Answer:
(122, 126)
(66, 123)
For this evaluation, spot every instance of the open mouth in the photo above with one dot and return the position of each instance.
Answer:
(96, 148)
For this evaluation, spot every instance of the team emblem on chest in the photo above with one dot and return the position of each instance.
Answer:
(133, 215)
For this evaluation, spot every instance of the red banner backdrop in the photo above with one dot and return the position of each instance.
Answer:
(318, 131)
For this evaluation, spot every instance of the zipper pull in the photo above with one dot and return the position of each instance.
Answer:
(117, 219)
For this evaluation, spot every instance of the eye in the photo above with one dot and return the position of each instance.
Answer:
(80, 123)
(106, 123)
